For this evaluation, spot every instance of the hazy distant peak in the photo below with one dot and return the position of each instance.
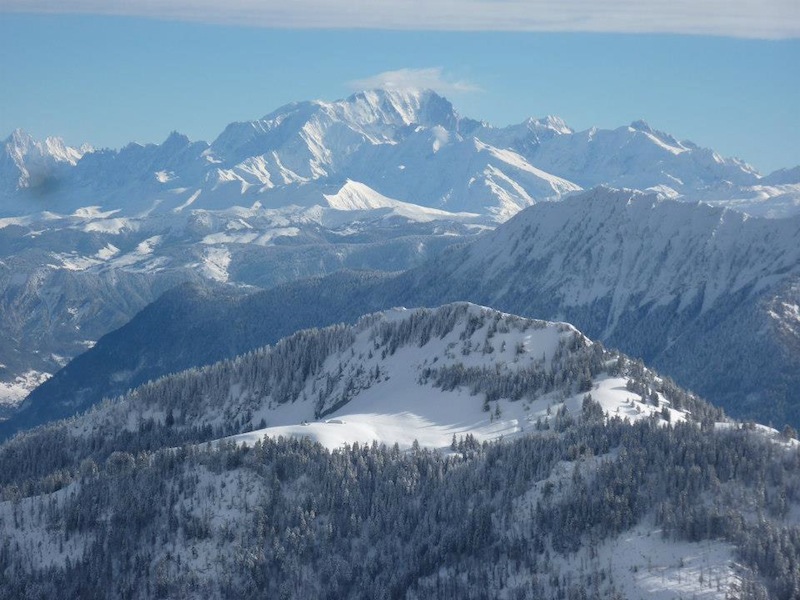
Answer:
(176, 138)
(550, 122)
(21, 144)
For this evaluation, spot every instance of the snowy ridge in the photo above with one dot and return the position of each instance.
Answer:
(405, 375)
(638, 157)
(21, 146)
(764, 199)
(311, 140)
(480, 177)
(638, 248)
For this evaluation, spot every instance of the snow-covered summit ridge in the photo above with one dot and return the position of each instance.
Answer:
(406, 374)
(634, 247)
(400, 106)
(550, 122)
(371, 117)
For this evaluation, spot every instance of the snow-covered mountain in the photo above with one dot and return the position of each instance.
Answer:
(446, 437)
(633, 247)
(640, 157)
(401, 375)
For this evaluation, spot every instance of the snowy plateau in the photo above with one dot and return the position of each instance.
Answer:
(208, 388)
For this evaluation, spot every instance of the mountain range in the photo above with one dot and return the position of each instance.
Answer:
(407, 145)
(382, 180)
(372, 348)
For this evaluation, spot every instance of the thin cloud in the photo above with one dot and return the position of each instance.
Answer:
(771, 19)
(430, 79)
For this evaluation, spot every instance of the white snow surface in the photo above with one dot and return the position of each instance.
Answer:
(356, 196)
(399, 411)
(645, 565)
(14, 391)
(216, 262)
(27, 529)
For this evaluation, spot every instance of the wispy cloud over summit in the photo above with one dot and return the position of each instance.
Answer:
(431, 78)
(736, 18)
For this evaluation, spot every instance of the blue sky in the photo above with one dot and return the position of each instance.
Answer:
(108, 80)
